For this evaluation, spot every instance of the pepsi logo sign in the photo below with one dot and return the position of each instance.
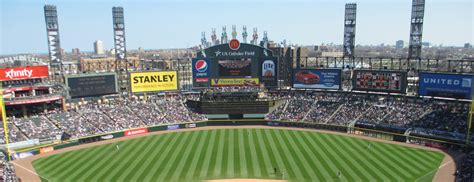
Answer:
(234, 44)
(201, 66)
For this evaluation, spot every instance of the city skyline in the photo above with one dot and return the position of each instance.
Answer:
(162, 25)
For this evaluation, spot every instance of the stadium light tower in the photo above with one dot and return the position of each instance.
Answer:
(203, 40)
(234, 32)
(121, 62)
(224, 35)
(416, 29)
(214, 37)
(349, 30)
(54, 44)
(254, 36)
(265, 39)
(244, 34)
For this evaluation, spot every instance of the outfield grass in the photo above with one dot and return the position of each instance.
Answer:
(242, 153)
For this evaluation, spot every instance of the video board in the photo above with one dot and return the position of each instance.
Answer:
(379, 81)
(235, 64)
(457, 86)
(235, 68)
(317, 79)
(91, 85)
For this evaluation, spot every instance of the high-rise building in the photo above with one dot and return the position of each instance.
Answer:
(399, 44)
(98, 47)
(425, 44)
(76, 51)
(62, 51)
(467, 45)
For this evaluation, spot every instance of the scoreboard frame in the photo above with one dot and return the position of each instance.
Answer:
(402, 86)
(91, 75)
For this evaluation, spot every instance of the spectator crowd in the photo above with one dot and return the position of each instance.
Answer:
(434, 117)
(96, 118)
(7, 172)
(465, 171)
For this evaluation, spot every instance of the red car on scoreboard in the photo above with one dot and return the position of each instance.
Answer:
(307, 77)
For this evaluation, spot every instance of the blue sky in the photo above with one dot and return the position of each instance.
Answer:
(179, 23)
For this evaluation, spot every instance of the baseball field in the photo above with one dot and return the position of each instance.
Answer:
(242, 153)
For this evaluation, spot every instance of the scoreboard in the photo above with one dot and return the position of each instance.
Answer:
(92, 85)
(235, 64)
(379, 81)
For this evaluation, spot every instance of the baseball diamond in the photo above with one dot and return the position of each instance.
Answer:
(260, 153)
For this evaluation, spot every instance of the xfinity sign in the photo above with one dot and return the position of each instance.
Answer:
(27, 72)
(20, 73)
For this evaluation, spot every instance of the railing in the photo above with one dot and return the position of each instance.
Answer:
(34, 97)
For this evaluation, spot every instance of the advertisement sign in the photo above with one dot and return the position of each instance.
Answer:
(268, 68)
(235, 50)
(234, 44)
(23, 72)
(268, 74)
(317, 78)
(137, 131)
(202, 80)
(173, 127)
(107, 137)
(201, 68)
(191, 125)
(379, 81)
(46, 149)
(91, 85)
(22, 155)
(445, 85)
(154, 81)
(216, 82)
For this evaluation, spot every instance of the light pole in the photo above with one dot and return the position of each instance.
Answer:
(4, 119)
(468, 136)
(183, 78)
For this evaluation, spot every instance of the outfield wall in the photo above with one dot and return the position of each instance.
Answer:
(394, 136)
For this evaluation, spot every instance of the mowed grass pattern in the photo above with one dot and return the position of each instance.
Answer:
(242, 153)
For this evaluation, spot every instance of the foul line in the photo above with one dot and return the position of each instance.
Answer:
(41, 177)
(437, 170)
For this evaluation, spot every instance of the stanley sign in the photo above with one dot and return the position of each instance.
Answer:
(154, 81)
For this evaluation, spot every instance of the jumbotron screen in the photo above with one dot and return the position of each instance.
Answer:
(382, 81)
(235, 68)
